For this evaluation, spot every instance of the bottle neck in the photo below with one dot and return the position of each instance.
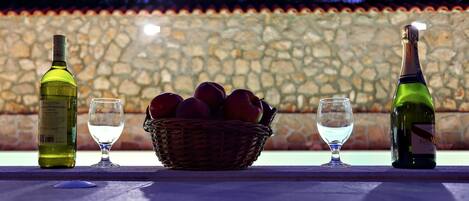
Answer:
(58, 59)
(410, 70)
(58, 54)
(59, 51)
(59, 64)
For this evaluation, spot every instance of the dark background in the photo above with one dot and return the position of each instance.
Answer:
(205, 4)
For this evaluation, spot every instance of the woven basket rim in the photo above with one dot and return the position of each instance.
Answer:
(206, 121)
(148, 122)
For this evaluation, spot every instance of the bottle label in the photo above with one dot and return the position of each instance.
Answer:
(53, 122)
(423, 138)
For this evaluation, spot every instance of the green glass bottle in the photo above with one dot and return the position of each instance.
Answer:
(412, 112)
(57, 124)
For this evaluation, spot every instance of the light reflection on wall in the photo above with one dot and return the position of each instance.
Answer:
(419, 25)
(151, 29)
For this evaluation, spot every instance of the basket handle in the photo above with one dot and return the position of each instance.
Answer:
(147, 118)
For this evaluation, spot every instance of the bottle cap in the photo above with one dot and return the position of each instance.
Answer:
(410, 33)
(59, 48)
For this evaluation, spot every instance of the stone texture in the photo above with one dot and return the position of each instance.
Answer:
(293, 59)
(241, 67)
(309, 88)
(28, 77)
(22, 89)
(443, 54)
(128, 87)
(122, 40)
(270, 34)
(26, 64)
(267, 80)
(20, 50)
(87, 74)
(113, 53)
(121, 68)
(387, 37)
(150, 92)
(253, 83)
(184, 84)
(282, 66)
(328, 89)
(143, 78)
(292, 131)
(322, 50)
(311, 37)
(104, 69)
(101, 83)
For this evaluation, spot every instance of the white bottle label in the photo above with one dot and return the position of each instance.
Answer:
(53, 122)
(423, 138)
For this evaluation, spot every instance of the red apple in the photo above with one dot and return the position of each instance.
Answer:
(192, 108)
(164, 105)
(219, 87)
(243, 105)
(211, 93)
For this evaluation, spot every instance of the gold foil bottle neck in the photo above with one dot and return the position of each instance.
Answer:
(410, 33)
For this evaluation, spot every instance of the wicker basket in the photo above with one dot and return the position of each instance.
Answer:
(194, 144)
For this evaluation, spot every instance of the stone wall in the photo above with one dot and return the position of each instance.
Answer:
(294, 131)
(292, 60)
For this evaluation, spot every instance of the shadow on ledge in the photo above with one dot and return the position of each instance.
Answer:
(391, 191)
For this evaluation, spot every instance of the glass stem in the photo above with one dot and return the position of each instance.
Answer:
(335, 148)
(105, 148)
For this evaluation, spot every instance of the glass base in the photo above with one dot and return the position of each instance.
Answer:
(105, 164)
(336, 164)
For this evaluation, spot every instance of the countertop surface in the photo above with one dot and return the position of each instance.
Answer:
(238, 190)
(256, 173)
(275, 176)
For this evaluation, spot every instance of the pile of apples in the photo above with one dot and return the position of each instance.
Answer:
(210, 102)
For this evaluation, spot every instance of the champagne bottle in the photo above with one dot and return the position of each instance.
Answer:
(412, 112)
(58, 112)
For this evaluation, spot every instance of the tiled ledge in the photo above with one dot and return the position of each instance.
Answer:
(292, 131)
(230, 7)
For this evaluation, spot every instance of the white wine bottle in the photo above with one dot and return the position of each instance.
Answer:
(412, 113)
(58, 112)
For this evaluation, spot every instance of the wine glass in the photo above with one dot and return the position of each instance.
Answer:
(105, 123)
(335, 124)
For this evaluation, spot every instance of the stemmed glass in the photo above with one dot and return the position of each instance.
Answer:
(335, 124)
(105, 123)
